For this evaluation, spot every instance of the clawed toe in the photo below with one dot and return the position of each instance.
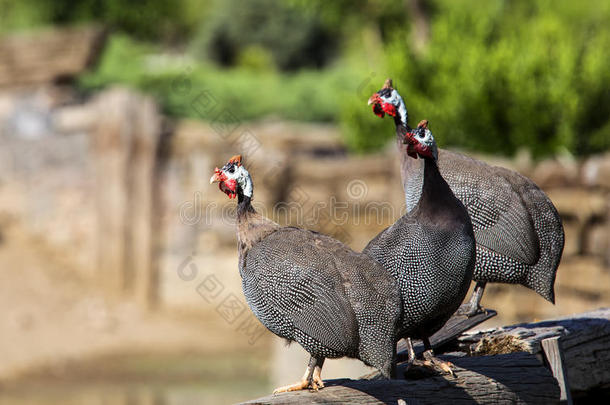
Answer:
(418, 369)
(292, 387)
(315, 384)
(311, 379)
(445, 366)
(428, 366)
(438, 364)
(468, 310)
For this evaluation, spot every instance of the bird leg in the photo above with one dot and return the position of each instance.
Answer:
(301, 385)
(429, 360)
(410, 350)
(407, 355)
(436, 363)
(311, 378)
(317, 382)
(393, 364)
(472, 307)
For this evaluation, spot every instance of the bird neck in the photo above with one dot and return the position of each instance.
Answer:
(400, 119)
(411, 170)
(434, 183)
(251, 226)
(244, 205)
(437, 203)
(401, 128)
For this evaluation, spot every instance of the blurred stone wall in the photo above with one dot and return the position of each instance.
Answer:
(50, 186)
(46, 180)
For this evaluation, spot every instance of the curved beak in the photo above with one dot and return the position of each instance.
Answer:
(216, 178)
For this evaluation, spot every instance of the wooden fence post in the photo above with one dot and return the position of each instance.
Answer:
(141, 261)
(125, 149)
(111, 143)
(554, 358)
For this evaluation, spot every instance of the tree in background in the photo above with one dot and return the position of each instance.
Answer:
(294, 37)
(491, 75)
(154, 20)
(499, 75)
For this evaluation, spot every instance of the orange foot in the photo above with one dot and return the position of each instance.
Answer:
(311, 379)
(438, 364)
(431, 363)
(292, 387)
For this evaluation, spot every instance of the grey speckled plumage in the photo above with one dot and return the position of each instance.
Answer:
(310, 288)
(431, 252)
(518, 230)
(519, 233)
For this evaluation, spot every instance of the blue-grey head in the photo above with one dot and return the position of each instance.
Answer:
(233, 178)
(420, 142)
(388, 101)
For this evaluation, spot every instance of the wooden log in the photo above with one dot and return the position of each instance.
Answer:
(523, 363)
(454, 327)
(584, 338)
(554, 360)
(484, 380)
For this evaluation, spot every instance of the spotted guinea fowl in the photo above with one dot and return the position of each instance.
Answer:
(312, 289)
(430, 251)
(518, 231)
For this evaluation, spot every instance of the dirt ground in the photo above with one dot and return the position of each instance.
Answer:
(58, 329)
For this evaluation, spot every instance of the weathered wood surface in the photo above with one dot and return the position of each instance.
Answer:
(485, 380)
(457, 325)
(504, 365)
(584, 338)
(41, 57)
(554, 360)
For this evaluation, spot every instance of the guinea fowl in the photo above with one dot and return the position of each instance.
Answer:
(518, 231)
(430, 251)
(312, 289)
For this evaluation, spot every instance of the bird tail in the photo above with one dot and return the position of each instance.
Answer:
(541, 277)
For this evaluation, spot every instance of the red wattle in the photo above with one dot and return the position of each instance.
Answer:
(231, 184)
(389, 109)
(377, 109)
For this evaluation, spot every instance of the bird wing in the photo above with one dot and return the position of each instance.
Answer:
(298, 274)
(405, 224)
(494, 197)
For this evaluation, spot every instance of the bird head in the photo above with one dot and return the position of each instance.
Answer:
(388, 101)
(233, 178)
(420, 142)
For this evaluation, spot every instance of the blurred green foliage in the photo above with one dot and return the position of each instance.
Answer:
(247, 93)
(499, 75)
(491, 75)
(165, 20)
(295, 38)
